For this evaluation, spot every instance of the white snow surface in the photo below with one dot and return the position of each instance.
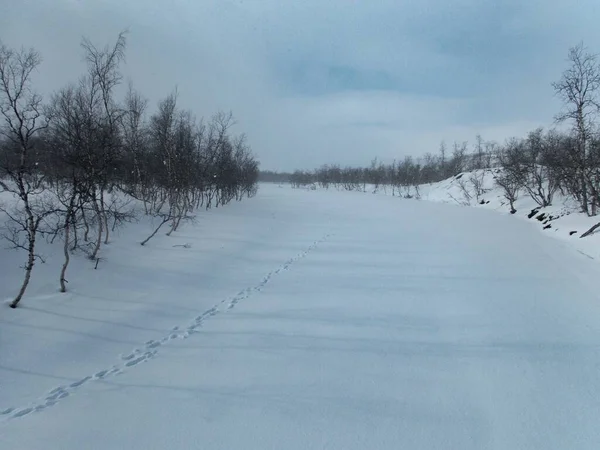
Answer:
(309, 320)
(563, 219)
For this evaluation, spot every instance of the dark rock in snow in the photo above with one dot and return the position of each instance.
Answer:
(533, 213)
(547, 226)
(572, 233)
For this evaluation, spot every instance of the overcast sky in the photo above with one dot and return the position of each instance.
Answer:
(325, 81)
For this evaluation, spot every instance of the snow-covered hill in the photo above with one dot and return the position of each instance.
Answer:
(563, 219)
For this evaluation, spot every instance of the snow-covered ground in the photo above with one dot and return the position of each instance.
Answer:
(562, 220)
(310, 319)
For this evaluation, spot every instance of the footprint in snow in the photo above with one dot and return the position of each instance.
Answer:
(22, 413)
(100, 375)
(141, 359)
(129, 356)
(57, 389)
(152, 344)
(80, 382)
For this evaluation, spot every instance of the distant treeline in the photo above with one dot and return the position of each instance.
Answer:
(269, 176)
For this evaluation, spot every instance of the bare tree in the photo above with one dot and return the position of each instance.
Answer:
(22, 111)
(477, 180)
(78, 173)
(508, 177)
(135, 140)
(443, 160)
(478, 160)
(579, 88)
(457, 163)
(102, 79)
(67, 225)
(510, 189)
(533, 166)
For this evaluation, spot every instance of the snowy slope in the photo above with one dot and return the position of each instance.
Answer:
(313, 319)
(562, 220)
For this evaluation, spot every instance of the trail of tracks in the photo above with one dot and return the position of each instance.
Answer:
(151, 348)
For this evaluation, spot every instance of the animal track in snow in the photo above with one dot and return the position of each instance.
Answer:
(150, 348)
(22, 412)
(144, 357)
(100, 375)
(80, 382)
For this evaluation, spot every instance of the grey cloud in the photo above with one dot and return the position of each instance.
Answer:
(318, 81)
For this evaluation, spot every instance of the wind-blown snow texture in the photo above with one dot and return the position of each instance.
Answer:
(311, 320)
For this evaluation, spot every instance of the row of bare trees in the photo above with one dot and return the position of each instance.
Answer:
(85, 162)
(402, 177)
(567, 161)
(538, 165)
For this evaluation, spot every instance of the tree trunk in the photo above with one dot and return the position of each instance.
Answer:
(94, 254)
(86, 234)
(590, 231)
(584, 196)
(30, 262)
(104, 216)
(75, 236)
(68, 222)
(165, 220)
(63, 271)
(175, 222)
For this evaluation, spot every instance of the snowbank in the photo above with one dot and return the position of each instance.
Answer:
(562, 220)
